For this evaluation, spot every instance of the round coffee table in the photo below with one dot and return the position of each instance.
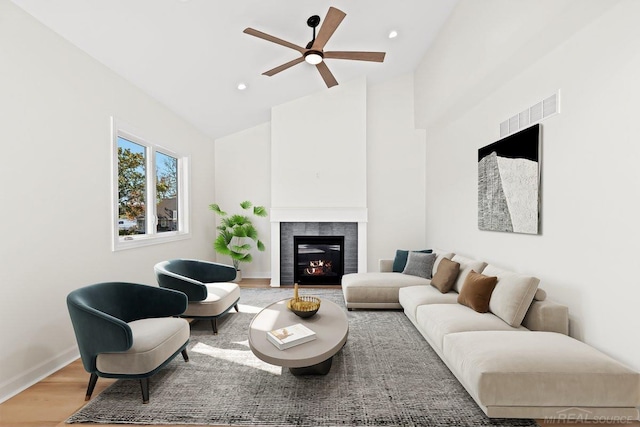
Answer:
(311, 358)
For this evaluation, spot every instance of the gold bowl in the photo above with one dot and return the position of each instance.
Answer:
(304, 306)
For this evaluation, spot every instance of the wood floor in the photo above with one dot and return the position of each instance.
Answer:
(51, 401)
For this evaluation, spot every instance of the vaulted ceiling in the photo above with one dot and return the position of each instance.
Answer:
(191, 54)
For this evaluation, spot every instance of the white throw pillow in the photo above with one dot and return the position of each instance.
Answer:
(466, 265)
(440, 254)
(512, 295)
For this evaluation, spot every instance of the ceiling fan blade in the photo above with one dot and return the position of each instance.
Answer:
(326, 74)
(273, 39)
(331, 21)
(357, 56)
(283, 67)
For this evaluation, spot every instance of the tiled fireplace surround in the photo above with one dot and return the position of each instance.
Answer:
(309, 219)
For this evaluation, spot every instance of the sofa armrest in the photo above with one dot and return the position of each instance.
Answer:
(385, 265)
(547, 316)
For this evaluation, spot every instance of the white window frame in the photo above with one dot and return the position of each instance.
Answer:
(120, 128)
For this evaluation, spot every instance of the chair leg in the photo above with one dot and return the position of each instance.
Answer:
(214, 325)
(144, 385)
(93, 379)
(236, 307)
(185, 356)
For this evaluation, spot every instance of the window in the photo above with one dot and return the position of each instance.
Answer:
(149, 191)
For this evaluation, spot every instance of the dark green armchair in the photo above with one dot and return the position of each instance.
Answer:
(126, 330)
(207, 284)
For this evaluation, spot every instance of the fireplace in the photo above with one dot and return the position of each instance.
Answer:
(289, 222)
(318, 260)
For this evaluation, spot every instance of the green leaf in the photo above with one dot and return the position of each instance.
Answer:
(260, 245)
(259, 211)
(246, 258)
(251, 232)
(239, 231)
(246, 204)
(237, 256)
(241, 248)
(214, 207)
(239, 220)
(220, 245)
(226, 236)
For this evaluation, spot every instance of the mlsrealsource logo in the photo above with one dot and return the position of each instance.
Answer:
(580, 415)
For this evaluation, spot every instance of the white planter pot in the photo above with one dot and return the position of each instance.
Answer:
(238, 276)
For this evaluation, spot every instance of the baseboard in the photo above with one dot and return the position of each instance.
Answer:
(24, 380)
(257, 275)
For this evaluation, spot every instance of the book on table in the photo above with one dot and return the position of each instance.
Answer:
(290, 336)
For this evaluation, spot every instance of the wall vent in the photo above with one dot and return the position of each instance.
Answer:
(532, 115)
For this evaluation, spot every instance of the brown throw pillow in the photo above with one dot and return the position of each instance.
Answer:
(446, 275)
(476, 291)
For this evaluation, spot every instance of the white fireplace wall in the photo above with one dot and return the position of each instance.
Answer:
(319, 149)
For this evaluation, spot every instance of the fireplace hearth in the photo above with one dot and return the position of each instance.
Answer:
(318, 260)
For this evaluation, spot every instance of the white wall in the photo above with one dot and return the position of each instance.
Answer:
(55, 108)
(494, 59)
(395, 171)
(318, 149)
(242, 172)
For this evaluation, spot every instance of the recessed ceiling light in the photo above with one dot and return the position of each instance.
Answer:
(242, 86)
(393, 34)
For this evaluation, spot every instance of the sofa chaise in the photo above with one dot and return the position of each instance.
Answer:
(516, 360)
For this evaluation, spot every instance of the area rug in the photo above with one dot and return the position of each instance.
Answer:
(385, 375)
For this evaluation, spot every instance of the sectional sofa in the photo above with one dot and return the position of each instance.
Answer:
(516, 360)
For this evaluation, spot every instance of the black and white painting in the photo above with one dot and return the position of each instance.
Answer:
(509, 183)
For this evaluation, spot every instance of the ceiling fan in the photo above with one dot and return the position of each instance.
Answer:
(313, 53)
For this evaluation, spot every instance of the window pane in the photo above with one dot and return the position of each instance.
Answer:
(167, 192)
(132, 188)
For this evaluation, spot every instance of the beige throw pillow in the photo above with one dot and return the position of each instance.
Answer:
(446, 275)
(512, 296)
(476, 291)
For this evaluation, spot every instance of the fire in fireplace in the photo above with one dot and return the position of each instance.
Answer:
(318, 259)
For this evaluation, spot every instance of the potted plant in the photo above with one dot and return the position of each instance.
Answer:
(235, 234)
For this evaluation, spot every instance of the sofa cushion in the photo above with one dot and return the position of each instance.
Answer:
(466, 265)
(446, 275)
(439, 320)
(412, 297)
(538, 369)
(440, 255)
(419, 264)
(154, 341)
(377, 289)
(400, 260)
(512, 295)
(220, 298)
(477, 291)
(540, 294)
(547, 316)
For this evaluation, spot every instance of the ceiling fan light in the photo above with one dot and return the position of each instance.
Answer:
(313, 58)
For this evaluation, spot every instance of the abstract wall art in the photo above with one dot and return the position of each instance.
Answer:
(509, 183)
